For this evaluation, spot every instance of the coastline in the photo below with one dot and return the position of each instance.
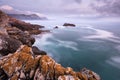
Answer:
(21, 61)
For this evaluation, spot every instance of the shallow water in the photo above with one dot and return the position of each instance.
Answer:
(94, 44)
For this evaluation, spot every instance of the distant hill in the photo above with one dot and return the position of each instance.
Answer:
(24, 15)
(27, 16)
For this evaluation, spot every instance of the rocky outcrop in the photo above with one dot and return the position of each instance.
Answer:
(14, 33)
(69, 24)
(24, 26)
(24, 65)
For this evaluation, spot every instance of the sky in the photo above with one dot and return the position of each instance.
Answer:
(81, 7)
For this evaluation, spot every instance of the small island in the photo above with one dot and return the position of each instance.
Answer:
(69, 25)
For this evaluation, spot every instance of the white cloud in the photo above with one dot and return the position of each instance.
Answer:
(6, 7)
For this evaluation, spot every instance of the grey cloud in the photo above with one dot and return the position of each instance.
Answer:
(53, 6)
(105, 7)
(108, 7)
(78, 1)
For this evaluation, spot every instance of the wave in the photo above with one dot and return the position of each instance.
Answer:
(43, 40)
(101, 34)
(68, 44)
(114, 61)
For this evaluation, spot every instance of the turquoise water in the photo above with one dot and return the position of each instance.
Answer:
(94, 44)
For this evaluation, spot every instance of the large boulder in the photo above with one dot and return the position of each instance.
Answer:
(8, 45)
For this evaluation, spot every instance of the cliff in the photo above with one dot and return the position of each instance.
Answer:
(22, 61)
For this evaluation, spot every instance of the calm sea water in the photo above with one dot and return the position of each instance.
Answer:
(93, 43)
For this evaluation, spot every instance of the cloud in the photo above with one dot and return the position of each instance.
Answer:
(79, 8)
(104, 7)
(107, 7)
(10, 10)
(6, 7)
(45, 6)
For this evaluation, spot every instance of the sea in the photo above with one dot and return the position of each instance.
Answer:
(93, 44)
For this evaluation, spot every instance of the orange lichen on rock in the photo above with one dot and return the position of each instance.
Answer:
(23, 64)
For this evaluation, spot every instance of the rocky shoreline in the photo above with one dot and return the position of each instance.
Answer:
(21, 61)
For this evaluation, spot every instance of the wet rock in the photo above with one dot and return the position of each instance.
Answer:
(36, 51)
(69, 24)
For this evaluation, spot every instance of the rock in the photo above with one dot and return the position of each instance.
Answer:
(31, 28)
(3, 19)
(8, 45)
(13, 30)
(90, 74)
(36, 51)
(20, 35)
(56, 27)
(3, 75)
(23, 25)
(23, 64)
(69, 24)
(3, 22)
(3, 31)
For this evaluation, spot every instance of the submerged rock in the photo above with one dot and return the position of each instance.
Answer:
(23, 64)
(69, 24)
